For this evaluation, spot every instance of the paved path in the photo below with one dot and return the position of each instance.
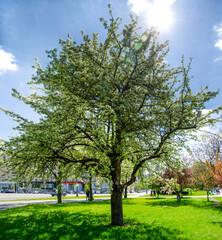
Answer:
(217, 203)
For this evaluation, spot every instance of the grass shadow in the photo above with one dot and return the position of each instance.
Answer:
(33, 222)
(198, 203)
(217, 223)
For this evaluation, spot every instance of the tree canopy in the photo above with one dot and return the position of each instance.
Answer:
(104, 104)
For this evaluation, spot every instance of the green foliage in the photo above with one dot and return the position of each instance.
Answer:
(202, 178)
(155, 183)
(110, 102)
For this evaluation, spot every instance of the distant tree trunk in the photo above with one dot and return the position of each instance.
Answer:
(59, 187)
(125, 192)
(208, 196)
(77, 191)
(59, 191)
(90, 188)
(178, 196)
(158, 194)
(154, 193)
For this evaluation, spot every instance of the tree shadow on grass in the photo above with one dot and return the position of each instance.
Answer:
(217, 223)
(59, 224)
(184, 202)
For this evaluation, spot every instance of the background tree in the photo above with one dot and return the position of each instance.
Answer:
(152, 174)
(172, 186)
(126, 101)
(125, 174)
(178, 181)
(203, 155)
(202, 178)
(215, 170)
(207, 146)
(183, 177)
(155, 183)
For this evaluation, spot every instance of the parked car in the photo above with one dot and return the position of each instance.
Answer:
(7, 191)
(55, 194)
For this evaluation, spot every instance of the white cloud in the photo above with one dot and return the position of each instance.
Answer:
(218, 30)
(218, 59)
(219, 44)
(140, 6)
(7, 62)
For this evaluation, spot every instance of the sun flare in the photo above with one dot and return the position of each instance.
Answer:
(157, 12)
(160, 17)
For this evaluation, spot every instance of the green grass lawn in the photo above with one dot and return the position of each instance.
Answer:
(198, 193)
(145, 218)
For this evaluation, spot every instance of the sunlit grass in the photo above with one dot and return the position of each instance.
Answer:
(198, 193)
(54, 198)
(145, 218)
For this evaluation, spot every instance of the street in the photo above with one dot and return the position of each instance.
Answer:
(6, 199)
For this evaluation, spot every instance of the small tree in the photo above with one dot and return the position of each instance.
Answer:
(207, 147)
(183, 177)
(202, 178)
(126, 169)
(215, 170)
(171, 186)
(155, 183)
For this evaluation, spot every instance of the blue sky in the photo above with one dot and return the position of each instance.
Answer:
(29, 27)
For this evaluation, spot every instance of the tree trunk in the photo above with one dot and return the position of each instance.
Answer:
(77, 191)
(116, 206)
(208, 196)
(90, 188)
(59, 192)
(158, 194)
(125, 192)
(178, 196)
(117, 189)
(116, 196)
